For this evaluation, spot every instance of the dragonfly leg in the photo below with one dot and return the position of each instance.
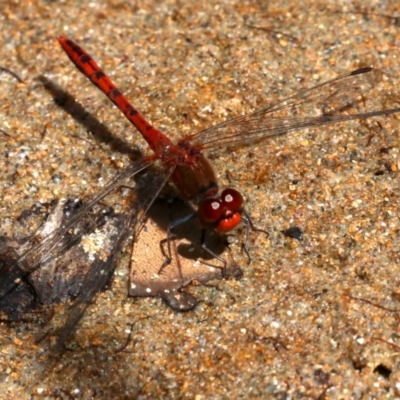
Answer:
(209, 251)
(250, 225)
(170, 234)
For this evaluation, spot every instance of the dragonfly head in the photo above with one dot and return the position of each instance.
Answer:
(222, 213)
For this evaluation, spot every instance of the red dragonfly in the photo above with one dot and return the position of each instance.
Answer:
(184, 162)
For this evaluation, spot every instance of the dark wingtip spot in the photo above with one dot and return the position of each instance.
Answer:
(361, 71)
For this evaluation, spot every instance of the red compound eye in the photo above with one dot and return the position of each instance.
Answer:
(231, 199)
(222, 214)
(211, 210)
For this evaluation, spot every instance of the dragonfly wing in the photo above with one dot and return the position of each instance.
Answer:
(101, 270)
(341, 99)
(52, 245)
(96, 277)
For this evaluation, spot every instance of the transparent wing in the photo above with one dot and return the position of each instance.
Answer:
(337, 100)
(148, 190)
(49, 246)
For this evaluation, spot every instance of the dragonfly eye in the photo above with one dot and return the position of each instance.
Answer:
(232, 199)
(211, 210)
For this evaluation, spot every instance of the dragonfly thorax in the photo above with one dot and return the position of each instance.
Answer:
(193, 176)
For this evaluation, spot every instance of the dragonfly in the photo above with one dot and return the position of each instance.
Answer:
(185, 164)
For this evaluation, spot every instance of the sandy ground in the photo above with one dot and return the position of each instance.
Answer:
(316, 318)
